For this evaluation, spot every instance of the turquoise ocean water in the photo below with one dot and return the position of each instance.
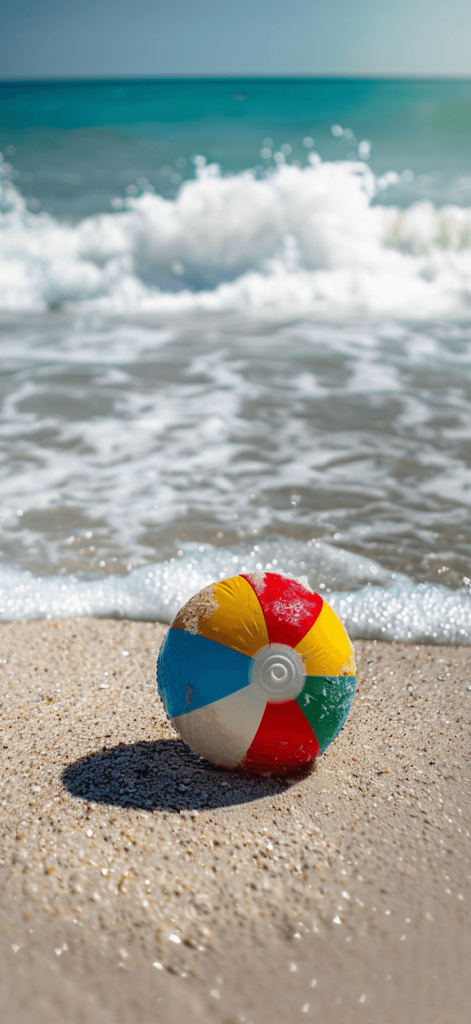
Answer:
(235, 325)
(79, 143)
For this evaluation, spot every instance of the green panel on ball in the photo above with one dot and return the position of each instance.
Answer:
(326, 701)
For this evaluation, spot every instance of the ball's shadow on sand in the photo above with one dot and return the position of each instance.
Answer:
(166, 776)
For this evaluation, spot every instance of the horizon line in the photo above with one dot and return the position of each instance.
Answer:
(233, 76)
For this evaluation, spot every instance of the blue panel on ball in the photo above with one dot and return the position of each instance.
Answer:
(193, 671)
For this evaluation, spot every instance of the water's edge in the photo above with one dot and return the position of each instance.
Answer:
(395, 610)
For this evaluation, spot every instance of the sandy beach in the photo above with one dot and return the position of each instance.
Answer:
(137, 883)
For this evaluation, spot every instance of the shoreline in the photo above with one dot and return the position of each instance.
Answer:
(104, 854)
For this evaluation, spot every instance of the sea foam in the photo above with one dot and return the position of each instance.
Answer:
(316, 238)
(382, 606)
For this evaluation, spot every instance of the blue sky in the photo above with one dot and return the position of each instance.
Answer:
(50, 38)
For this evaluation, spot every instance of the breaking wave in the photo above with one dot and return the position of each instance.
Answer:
(315, 238)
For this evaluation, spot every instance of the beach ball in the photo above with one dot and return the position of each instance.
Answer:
(257, 673)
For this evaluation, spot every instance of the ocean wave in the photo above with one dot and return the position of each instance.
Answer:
(381, 605)
(315, 238)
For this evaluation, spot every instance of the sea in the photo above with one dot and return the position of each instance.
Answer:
(235, 335)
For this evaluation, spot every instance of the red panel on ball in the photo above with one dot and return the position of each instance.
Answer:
(289, 609)
(284, 739)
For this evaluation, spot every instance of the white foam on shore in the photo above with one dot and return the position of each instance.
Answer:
(397, 609)
(307, 238)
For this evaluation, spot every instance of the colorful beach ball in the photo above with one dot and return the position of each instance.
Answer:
(257, 673)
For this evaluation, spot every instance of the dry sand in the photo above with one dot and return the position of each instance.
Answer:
(138, 884)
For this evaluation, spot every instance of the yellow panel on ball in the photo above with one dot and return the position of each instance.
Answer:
(229, 613)
(326, 648)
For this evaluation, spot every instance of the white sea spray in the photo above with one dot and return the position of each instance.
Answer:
(315, 238)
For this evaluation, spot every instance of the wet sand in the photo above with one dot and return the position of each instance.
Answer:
(139, 884)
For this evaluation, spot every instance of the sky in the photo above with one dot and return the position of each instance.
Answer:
(94, 38)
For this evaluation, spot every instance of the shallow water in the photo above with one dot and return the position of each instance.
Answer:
(240, 366)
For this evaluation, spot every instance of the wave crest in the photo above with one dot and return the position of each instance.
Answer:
(315, 237)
